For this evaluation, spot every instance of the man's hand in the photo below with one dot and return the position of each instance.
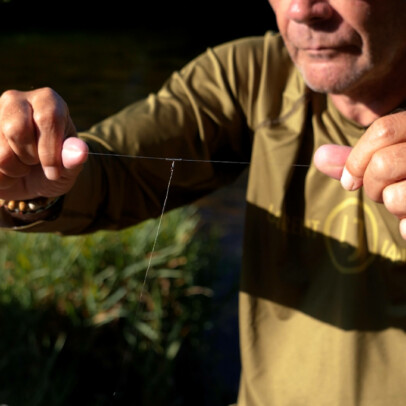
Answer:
(377, 162)
(39, 152)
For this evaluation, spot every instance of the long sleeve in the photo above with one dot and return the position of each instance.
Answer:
(200, 114)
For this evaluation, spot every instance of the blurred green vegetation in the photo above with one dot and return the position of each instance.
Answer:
(78, 326)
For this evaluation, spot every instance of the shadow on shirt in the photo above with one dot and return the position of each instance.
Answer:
(334, 282)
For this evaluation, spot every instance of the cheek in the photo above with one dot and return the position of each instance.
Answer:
(292, 50)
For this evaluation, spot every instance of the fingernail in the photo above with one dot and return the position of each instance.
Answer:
(73, 152)
(347, 181)
(402, 228)
(51, 172)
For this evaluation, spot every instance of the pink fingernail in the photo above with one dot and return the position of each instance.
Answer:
(347, 181)
(73, 151)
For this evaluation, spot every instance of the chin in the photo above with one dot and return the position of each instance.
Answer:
(333, 78)
(330, 83)
(331, 88)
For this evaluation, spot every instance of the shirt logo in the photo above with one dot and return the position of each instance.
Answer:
(347, 223)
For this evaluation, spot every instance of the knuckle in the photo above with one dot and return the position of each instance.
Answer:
(389, 200)
(47, 118)
(393, 198)
(43, 117)
(46, 93)
(46, 96)
(13, 130)
(9, 96)
(379, 165)
(49, 111)
(383, 130)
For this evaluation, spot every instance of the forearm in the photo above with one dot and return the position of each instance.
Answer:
(195, 117)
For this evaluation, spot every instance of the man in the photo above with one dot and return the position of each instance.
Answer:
(323, 287)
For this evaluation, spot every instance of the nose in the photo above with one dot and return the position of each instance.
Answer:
(308, 11)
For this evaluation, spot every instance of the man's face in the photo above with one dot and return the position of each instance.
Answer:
(344, 45)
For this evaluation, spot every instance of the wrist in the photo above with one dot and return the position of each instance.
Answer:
(30, 210)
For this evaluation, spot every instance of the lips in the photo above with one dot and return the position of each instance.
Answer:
(328, 49)
(322, 47)
(316, 42)
(303, 38)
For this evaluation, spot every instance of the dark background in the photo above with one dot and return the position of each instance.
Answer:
(205, 20)
(101, 56)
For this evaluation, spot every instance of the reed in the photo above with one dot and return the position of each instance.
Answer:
(73, 327)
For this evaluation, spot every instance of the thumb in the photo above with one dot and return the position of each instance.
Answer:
(330, 159)
(74, 153)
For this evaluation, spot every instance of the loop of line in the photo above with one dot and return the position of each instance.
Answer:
(157, 231)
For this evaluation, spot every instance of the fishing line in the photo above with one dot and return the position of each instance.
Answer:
(173, 160)
(181, 159)
(157, 231)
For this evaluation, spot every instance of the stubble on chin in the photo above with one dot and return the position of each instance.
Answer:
(333, 80)
(327, 82)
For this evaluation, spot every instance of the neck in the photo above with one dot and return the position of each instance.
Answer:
(365, 105)
(364, 112)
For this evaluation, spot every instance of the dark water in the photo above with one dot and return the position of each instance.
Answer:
(98, 73)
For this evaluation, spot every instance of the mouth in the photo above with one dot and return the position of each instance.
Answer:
(329, 51)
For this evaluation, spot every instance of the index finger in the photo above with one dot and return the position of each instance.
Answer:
(50, 118)
(386, 131)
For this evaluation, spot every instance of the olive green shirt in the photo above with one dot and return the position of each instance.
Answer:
(323, 286)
